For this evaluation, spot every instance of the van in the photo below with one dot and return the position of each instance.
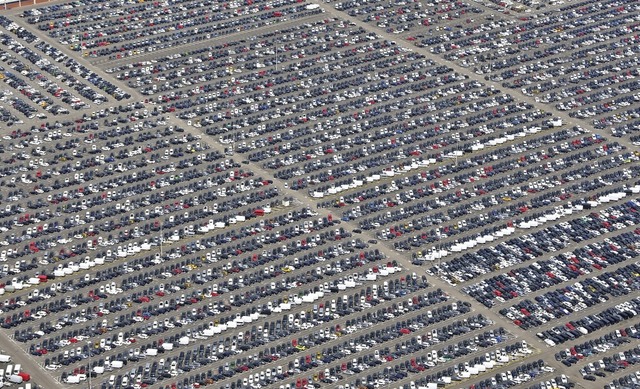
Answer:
(5, 358)
(15, 379)
(8, 372)
(72, 379)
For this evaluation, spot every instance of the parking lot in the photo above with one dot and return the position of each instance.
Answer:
(297, 194)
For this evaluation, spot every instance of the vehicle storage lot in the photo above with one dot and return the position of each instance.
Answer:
(302, 194)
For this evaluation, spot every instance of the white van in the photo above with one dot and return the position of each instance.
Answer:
(72, 379)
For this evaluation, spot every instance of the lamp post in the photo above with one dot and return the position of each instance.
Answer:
(277, 32)
(89, 343)
(81, 33)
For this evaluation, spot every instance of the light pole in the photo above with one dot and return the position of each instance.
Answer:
(161, 238)
(81, 33)
(277, 32)
(90, 344)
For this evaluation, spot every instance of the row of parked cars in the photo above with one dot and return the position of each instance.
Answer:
(597, 346)
(291, 326)
(45, 60)
(581, 295)
(557, 270)
(334, 309)
(610, 364)
(629, 380)
(565, 67)
(106, 37)
(191, 263)
(607, 317)
(518, 376)
(462, 225)
(549, 239)
(560, 382)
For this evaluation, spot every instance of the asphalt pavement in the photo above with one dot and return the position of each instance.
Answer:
(49, 379)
